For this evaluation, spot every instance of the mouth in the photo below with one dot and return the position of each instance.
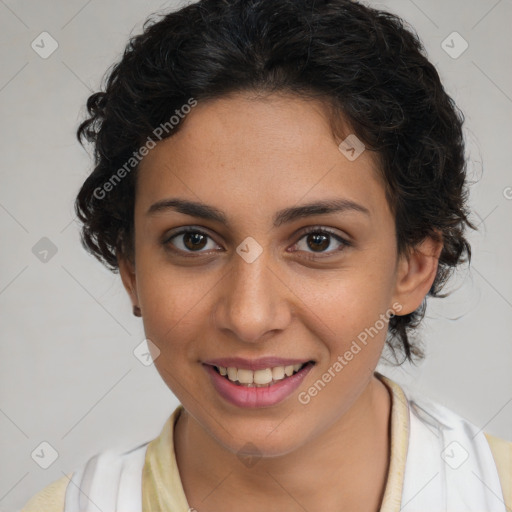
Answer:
(256, 384)
(265, 377)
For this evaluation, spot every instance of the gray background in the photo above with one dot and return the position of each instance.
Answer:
(68, 372)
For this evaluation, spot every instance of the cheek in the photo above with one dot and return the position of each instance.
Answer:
(336, 306)
(346, 304)
(173, 303)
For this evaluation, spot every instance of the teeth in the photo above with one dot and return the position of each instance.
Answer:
(278, 373)
(232, 374)
(262, 376)
(259, 377)
(246, 376)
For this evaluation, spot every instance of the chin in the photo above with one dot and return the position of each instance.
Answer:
(259, 440)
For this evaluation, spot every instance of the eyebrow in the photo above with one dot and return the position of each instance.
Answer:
(287, 215)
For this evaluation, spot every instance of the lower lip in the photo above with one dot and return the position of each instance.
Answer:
(243, 396)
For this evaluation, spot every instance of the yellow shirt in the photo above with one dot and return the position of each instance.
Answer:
(162, 490)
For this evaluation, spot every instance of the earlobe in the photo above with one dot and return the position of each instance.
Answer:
(128, 277)
(416, 273)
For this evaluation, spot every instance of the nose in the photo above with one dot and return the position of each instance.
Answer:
(252, 301)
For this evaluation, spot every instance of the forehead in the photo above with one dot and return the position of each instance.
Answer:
(258, 152)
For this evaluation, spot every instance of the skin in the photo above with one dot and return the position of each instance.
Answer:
(251, 156)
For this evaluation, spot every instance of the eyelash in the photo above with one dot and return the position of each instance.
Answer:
(307, 231)
(324, 231)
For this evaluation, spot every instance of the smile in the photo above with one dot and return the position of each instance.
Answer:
(258, 383)
(258, 378)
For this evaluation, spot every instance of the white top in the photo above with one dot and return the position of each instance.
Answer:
(449, 468)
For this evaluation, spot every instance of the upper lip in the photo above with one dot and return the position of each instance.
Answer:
(254, 364)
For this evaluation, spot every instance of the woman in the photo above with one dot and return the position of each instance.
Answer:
(280, 185)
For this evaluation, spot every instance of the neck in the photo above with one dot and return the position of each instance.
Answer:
(344, 468)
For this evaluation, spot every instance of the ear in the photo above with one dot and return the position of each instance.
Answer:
(128, 276)
(416, 272)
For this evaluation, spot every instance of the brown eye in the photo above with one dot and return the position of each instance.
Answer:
(194, 241)
(190, 240)
(318, 240)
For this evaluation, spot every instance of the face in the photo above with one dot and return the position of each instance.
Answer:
(262, 250)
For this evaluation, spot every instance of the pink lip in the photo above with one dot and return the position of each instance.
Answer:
(254, 364)
(243, 396)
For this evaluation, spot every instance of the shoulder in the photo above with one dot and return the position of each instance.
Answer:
(410, 403)
(109, 477)
(502, 453)
(123, 467)
(49, 499)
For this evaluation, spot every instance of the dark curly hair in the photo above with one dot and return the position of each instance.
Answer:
(363, 63)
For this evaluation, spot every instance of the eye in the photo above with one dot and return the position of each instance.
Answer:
(318, 240)
(314, 240)
(190, 240)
